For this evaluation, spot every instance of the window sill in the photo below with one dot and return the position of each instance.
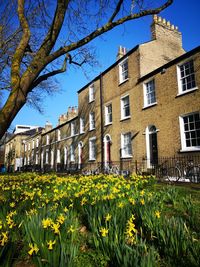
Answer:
(125, 118)
(149, 106)
(90, 130)
(91, 160)
(107, 124)
(126, 157)
(90, 101)
(187, 92)
(122, 82)
(189, 150)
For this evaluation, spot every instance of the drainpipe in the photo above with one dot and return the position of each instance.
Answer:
(101, 121)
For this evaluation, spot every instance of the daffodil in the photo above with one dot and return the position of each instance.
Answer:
(12, 204)
(60, 219)
(71, 229)
(103, 231)
(33, 249)
(108, 217)
(55, 227)
(46, 222)
(50, 244)
(157, 214)
(142, 201)
(4, 239)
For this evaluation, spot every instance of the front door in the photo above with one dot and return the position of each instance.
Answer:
(153, 145)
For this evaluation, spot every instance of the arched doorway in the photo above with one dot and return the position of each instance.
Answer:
(107, 150)
(80, 155)
(151, 145)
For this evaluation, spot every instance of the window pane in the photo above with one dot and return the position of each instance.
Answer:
(192, 129)
(187, 76)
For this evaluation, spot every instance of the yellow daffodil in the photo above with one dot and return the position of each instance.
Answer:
(50, 244)
(83, 201)
(142, 193)
(157, 214)
(108, 217)
(131, 231)
(4, 239)
(12, 204)
(120, 205)
(46, 222)
(142, 201)
(132, 200)
(55, 227)
(33, 249)
(65, 209)
(60, 219)
(103, 231)
(71, 229)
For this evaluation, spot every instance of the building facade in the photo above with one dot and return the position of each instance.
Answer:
(144, 107)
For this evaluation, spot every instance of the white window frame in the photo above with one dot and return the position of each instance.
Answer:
(123, 117)
(180, 86)
(82, 125)
(24, 160)
(47, 139)
(29, 146)
(92, 148)
(25, 147)
(28, 160)
(123, 74)
(52, 158)
(33, 144)
(184, 147)
(124, 147)
(58, 135)
(47, 156)
(108, 115)
(58, 159)
(72, 128)
(91, 93)
(72, 153)
(92, 120)
(36, 158)
(147, 95)
(37, 142)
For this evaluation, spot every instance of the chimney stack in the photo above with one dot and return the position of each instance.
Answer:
(162, 29)
(121, 52)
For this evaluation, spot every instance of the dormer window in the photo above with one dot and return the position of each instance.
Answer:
(91, 92)
(123, 70)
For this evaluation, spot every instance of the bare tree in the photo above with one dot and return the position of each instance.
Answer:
(36, 35)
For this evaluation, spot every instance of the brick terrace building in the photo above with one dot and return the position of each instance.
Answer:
(143, 107)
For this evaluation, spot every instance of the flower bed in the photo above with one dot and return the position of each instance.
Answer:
(95, 221)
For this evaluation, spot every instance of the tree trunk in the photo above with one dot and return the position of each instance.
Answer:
(14, 103)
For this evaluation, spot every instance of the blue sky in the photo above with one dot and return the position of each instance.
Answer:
(184, 14)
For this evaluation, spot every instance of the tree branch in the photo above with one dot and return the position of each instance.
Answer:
(49, 74)
(116, 11)
(20, 50)
(105, 28)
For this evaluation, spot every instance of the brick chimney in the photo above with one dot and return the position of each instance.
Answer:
(71, 113)
(121, 52)
(165, 31)
(48, 126)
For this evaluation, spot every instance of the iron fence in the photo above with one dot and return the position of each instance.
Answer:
(178, 167)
